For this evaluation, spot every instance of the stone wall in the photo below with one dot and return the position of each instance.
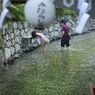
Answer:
(17, 35)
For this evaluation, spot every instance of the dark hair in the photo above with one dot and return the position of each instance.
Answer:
(34, 34)
(63, 21)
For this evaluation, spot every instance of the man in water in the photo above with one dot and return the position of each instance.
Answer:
(65, 35)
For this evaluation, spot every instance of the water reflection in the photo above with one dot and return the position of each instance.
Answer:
(65, 60)
(55, 73)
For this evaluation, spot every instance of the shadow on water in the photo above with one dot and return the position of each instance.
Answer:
(55, 72)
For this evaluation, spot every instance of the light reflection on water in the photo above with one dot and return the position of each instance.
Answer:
(55, 72)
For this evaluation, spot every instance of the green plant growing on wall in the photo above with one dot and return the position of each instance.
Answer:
(1, 42)
(61, 12)
(17, 12)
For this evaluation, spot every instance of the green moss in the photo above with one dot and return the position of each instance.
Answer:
(62, 12)
(1, 43)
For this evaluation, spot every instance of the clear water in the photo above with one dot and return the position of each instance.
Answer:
(52, 73)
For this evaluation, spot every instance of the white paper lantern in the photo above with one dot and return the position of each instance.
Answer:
(39, 12)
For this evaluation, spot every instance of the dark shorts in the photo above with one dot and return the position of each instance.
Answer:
(65, 42)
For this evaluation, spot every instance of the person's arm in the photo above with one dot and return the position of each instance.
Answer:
(38, 34)
(63, 33)
(91, 89)
(69, 33)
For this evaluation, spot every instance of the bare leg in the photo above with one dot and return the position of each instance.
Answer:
(69, 48)
(62, 48)
(43, 45)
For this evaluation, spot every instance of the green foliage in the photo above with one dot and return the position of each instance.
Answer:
(59, 12)
(1, 42)
(62, 12)
(73, 14)
(17, 12)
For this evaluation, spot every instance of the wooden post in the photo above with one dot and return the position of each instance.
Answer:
(92, 89)
(1, 40)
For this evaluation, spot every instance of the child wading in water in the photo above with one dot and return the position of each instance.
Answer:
(43, 38)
